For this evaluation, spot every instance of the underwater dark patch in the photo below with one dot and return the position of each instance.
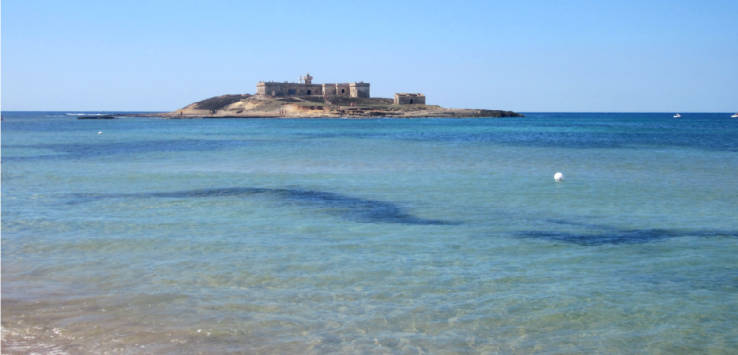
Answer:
(342, 206)
(611, 235)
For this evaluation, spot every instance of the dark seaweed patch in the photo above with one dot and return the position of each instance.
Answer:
(346, 207)
(611, 235)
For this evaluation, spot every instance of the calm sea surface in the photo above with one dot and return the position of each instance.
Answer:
(427, 236)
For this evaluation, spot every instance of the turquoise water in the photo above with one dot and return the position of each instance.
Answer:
(428, 236)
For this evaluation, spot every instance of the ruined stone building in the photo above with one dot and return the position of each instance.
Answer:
(306, 87)
(409, 99)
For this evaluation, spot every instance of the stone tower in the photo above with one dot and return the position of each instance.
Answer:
(307, 79)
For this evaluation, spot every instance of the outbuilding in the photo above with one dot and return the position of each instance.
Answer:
(409, 99)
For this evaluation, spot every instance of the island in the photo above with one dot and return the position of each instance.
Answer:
(309, 100)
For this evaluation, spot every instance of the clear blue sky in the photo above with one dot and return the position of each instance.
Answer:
(630, 56)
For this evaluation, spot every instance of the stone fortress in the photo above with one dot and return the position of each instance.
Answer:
(306, 87)
(308, 100)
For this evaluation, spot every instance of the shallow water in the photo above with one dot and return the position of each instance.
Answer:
(442, 236)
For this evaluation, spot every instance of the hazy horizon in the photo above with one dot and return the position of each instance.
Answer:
(572, 56)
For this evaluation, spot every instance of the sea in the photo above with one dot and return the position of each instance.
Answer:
(142, 235)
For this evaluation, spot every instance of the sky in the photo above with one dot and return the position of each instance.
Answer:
(525, 56)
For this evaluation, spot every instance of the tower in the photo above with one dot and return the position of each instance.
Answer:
(307, 79)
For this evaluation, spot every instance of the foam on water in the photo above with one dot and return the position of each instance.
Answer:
(439, 236)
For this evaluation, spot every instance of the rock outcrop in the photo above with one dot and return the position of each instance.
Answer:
(265, 106)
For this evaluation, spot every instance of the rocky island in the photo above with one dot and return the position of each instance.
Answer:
(308, 100)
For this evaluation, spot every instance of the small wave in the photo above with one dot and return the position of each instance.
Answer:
(84, 114)
(26, 341)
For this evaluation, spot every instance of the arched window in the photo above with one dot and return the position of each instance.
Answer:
(309, 92)
(343, 91)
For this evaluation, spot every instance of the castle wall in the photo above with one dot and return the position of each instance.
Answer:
(359, 90)
(329, 89)
(343, 89)
(288, 89)
(274, 88)
(312, 89)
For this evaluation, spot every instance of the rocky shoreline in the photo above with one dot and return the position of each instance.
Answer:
(265, 106)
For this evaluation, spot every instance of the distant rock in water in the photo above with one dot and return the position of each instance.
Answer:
(317, 106)
(93, 117)
(312, 100)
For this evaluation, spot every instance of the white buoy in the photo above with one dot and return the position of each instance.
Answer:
(99, 132)
(559, 177)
